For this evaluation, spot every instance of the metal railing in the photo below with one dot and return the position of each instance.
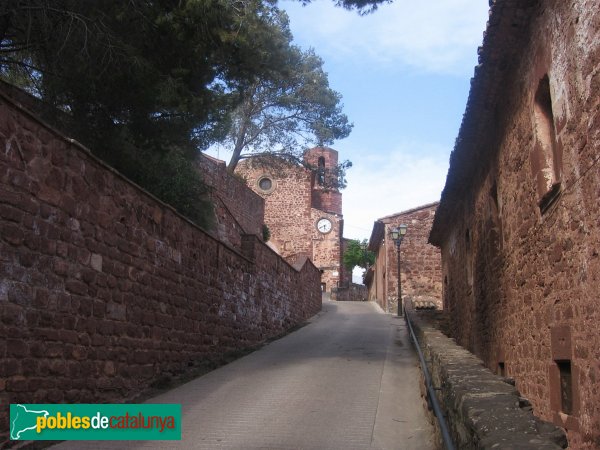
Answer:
(446, 438)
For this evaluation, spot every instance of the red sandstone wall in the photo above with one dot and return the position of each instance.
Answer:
(104, 290)
(287, 205)
(377, 285)
(522, 285)
(329, 155)
(420, 262)
(292, 217)
(238, 210)
(345, 273)
(329, 200)
(327, 248)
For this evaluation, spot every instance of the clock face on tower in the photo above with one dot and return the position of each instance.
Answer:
(324, 225)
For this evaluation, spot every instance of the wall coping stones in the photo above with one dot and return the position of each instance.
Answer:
(109, 293)
(483, 410)
(15, 103)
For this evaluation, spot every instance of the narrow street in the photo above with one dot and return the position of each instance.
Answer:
(347, 380)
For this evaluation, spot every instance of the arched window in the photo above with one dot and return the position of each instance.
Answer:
(321, 171)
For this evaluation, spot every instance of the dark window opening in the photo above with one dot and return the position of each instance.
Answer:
(469, 258)
(550, 198)
(494, 195)
(495, 222)
(321, 171)
(265, 184)
(566, 386)
(501, 369)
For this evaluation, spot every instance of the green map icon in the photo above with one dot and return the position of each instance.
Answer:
(23, 420)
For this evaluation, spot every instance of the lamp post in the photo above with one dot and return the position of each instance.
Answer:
(397, 234)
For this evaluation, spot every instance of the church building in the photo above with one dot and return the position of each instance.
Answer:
(303, 209)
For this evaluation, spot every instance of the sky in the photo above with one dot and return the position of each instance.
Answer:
(404, 73)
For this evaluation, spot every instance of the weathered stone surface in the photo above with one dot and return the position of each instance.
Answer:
(238, 210)
(99, 303)
(420, 263)
(351, 293)
(518, 218)
(294, 204)
(483, 412)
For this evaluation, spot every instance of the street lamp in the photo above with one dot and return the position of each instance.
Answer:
(397, 236)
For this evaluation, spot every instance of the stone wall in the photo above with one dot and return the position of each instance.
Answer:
(287, 202)
(104, 290)
(327, 248)
(420, 262)
(351, 293)
(329, 201)
(519, 230)
(483, 411)
(345, 273)
(329, 155)
(325, 161)
(375, 277)
(238, 210)
(291, 214)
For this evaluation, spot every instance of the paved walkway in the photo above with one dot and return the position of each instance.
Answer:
(348, 380)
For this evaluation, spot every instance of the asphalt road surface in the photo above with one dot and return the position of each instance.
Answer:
(347, 380)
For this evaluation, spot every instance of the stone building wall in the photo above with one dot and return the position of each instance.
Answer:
(345, 273)
(287, 203)
(420, 262)
(376, 275)
(104, 290)
(294, 204)
(238, 210)
(327, 248)
(325, 160)
(330, 157)
(519, 231)
(329, 201)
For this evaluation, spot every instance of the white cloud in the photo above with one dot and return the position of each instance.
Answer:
(438, 37)
(380, 185)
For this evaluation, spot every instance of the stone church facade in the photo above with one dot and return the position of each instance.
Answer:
(302, 211)
(518, 222)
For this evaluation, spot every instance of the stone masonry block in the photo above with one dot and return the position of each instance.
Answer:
(131, 278)
(483, 411)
